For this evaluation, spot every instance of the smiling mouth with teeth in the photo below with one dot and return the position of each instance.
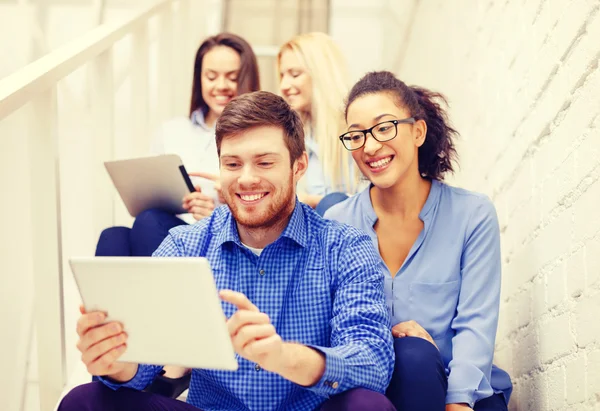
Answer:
(252, 197)
(380, 163)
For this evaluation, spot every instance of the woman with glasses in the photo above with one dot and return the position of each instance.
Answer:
(314, 80)
(440, 244)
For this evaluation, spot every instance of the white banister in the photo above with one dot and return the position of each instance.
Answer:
(47, 245)
(20, 87)
(165, 61)
(182, 57)
(102, 99)
(139, 88)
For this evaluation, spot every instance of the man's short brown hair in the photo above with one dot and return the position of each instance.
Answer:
(261, 109)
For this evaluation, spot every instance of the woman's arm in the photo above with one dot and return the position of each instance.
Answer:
(476, 320)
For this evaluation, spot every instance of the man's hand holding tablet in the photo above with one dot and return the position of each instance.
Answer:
(101, 345)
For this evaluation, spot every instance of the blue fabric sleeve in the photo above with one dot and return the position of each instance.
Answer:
(361, 352)
(143, 377)
(476, 320)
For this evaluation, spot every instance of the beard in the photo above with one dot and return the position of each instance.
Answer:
(277, 211)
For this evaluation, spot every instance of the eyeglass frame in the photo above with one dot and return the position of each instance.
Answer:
(409, 120)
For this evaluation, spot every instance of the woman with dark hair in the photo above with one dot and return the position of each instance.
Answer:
(440, 244)
(225, 67)
(244, 77)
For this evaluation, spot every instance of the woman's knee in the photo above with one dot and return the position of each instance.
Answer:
(114, 242)
(415, 355)
(154, 221)
(150, 218)
(419, 380)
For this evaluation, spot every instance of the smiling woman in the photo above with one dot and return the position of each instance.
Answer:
(314, 81)
(440, 244)
(225, 66)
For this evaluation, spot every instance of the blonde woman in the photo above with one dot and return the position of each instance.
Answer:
(314, 81)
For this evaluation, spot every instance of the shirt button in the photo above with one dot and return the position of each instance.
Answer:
(262, 272)
(257, 367)
(335, 385)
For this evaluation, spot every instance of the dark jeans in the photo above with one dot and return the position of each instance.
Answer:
(149, 230)
(419, 381)
(329, 200)
(96, 396)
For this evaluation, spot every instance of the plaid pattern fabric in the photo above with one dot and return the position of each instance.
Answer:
(321, 283)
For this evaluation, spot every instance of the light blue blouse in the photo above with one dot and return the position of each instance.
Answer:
(316, 181)
(449, 284)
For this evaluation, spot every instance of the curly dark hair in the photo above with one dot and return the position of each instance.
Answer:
(438, 153)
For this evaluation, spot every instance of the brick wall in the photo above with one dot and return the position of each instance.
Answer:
(523, 79)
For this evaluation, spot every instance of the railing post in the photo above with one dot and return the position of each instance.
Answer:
(47, 247)
(183, 61)
(165, 64)
(139, 90)
(101, 83)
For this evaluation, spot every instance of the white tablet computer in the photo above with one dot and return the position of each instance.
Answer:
(169, 307)
(151, 182)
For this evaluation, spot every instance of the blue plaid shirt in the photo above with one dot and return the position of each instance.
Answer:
(321, 283)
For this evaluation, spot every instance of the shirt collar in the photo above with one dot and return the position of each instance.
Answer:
(197, 118)
(371, 217)
(296, 230)
(227, 233)
(432, 199)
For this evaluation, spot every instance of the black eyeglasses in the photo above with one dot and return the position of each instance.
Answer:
(385, 131)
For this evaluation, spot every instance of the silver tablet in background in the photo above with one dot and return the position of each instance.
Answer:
(169, 308)
(151, 182)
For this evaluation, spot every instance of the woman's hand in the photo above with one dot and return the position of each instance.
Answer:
(198, 204)
(212, 177)
(412, 329)
(458, 407)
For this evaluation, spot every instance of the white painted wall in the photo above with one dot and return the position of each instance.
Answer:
(524, 86)
(371, 33)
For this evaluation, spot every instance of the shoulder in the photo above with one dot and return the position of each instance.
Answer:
(181, 127)
(176, 124)
(341, 240)
(470, 202)
(195, 239)
(347, 210)
(472, 208)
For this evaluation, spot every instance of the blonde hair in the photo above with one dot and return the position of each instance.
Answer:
(327, 68)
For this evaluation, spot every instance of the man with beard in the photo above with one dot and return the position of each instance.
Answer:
(303, 295)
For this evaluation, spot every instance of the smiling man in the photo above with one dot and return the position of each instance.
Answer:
(303, 295)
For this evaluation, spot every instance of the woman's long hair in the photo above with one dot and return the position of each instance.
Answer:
(328, 71)
(248, 77)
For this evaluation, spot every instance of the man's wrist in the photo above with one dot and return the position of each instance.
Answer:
(301, 364)
(124, 375)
